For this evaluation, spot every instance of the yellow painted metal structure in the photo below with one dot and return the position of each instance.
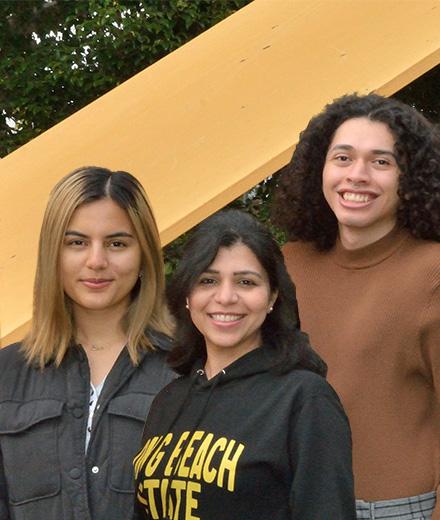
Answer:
(214, 118)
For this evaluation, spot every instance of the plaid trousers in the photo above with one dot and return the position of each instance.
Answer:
(419, 507)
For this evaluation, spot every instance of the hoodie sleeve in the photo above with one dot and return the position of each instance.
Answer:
(138, 514)
(322, 487)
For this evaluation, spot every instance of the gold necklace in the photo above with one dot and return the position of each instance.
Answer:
(93, 347)
(96, 347)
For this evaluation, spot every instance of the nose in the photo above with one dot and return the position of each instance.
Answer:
(97, 257)
(358, 172)
(226, 293)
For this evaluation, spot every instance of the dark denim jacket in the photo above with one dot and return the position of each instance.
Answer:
(44, 471)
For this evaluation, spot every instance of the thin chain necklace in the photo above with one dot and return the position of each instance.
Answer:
(96, 347)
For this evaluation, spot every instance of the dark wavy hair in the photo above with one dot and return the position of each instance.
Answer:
(281, 328)
(299, 205)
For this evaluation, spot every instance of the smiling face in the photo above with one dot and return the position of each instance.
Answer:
(230, 302)
(360, 180)
(100, 258)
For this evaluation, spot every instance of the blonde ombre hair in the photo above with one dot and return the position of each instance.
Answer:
(53, 328)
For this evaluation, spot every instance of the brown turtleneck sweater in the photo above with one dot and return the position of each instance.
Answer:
(374, 316)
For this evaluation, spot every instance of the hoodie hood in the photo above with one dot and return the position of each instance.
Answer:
(256, 361)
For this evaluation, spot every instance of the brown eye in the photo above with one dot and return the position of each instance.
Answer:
(247, 282)
(76, 242)
(117, 244)
(206, 281)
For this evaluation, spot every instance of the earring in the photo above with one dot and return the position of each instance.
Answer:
(187, 304)
(270, 309)
(141, 274)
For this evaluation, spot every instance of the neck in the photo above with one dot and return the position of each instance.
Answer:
(98, 330)
(356, 238)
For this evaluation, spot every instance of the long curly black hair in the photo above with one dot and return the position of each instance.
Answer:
(299, 206)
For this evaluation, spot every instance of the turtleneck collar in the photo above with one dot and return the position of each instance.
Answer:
(372, 254)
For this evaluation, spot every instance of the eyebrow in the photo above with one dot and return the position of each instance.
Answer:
(72, 233)
(349, 147)
(235, 273)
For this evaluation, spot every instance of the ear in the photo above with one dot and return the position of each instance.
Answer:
(273, 298)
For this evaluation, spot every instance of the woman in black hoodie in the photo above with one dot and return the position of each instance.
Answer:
(251, 431)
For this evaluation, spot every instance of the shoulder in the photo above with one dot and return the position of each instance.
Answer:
(423, 258)
(429, 248)
(300, 253)
(175, 389)
(12, 357)
(310, 382)
(153, 368)
(305, 386)
(169, 401)
(15, 371)
(315, 398)
(171, 396)
(162, 346)
(298, 247)
(160, 340)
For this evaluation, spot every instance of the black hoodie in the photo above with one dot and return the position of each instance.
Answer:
(249, 444)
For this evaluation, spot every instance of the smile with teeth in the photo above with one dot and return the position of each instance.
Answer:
(226, 317)
(356, 197)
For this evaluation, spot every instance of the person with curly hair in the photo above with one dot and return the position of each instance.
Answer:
(360, 203)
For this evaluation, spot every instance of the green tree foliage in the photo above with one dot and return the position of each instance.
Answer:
(59, 55)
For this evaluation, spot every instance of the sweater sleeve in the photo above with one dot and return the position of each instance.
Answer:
(430, 345)
(430, 338)
(4, 509)
(322, 487)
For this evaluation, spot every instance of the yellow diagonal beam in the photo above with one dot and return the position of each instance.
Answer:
(213, 118)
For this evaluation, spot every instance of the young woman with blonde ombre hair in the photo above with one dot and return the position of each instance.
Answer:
(75, 393)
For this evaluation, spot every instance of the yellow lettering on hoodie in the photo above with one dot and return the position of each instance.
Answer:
(229, 464)
(150, 485)
(179, 486)
(183, 470)
(191, 502)
(140, 459)
(209, 474)
(199, 459)
(163, 495)
(140, 497)
(176, 452)
(153, 462)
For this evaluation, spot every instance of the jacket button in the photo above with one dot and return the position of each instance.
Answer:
(75, 473)
(95, 469)
(77, 412)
